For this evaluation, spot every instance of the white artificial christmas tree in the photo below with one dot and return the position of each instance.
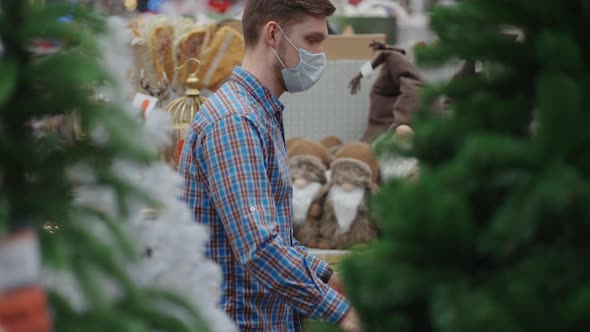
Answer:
(170, 244)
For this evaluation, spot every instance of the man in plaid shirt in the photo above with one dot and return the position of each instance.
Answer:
(236, 175)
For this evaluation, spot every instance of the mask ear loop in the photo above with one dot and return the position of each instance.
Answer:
(275, 52)
(279, 58)
(289, 40)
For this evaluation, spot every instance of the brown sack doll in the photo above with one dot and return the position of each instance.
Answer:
(394, 96)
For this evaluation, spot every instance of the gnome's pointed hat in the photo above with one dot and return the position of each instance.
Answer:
(332, 144)
(309, 160)
(307, 147)
(291, 141)
(357, 158)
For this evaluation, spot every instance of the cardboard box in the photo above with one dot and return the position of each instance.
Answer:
(351, 47)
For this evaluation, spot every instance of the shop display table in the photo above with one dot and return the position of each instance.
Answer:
(332, 257)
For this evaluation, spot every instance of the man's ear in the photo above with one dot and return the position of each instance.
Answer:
(270, 33)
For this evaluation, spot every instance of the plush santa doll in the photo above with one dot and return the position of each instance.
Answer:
(341, 208)
(395, 166)
(308, 162)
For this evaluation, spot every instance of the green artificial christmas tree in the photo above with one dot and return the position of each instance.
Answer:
(44, 173)
(494, 234)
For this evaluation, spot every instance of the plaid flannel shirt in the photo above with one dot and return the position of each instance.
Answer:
(237, 181)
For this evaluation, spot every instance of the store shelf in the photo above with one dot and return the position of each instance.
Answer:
(332, 257)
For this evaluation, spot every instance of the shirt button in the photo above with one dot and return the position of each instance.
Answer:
(252, 209)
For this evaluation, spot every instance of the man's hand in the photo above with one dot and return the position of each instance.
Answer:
(336, 283)
(355, 84)
(350, 322)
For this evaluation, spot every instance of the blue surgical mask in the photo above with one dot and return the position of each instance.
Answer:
(307, 73)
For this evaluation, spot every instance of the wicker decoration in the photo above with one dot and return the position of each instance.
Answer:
(182, 111)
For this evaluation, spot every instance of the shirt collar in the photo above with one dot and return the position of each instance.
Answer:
(271, 103)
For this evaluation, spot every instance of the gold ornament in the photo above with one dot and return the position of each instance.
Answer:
(183, 110)
(50, 227)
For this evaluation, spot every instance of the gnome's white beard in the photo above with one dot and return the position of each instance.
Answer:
(345, 205)
(302, 199)
(397, 167)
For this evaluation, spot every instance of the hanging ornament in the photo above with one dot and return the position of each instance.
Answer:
(220, 6)
(24, 305)
(182, 111)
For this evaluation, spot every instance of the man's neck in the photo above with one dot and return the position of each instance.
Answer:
(260, 67)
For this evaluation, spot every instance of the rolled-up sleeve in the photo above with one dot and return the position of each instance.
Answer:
(320, 267)
(232, 154)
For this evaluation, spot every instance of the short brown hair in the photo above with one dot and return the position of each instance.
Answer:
(259, 12)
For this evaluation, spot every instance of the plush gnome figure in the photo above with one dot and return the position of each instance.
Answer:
(332, 143)
(291, 141)
(341, 209)
(394, 166)
(308, 161)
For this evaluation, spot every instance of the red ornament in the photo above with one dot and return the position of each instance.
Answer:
(25, 310)
(179, 146)
(144, 106)
(23, 302)
(220, 6)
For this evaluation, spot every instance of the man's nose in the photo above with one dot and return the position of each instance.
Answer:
(318, 49)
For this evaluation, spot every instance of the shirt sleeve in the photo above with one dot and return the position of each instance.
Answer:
(320, 267)
(232, 156)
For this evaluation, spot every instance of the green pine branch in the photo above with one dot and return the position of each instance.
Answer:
(493, 236)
